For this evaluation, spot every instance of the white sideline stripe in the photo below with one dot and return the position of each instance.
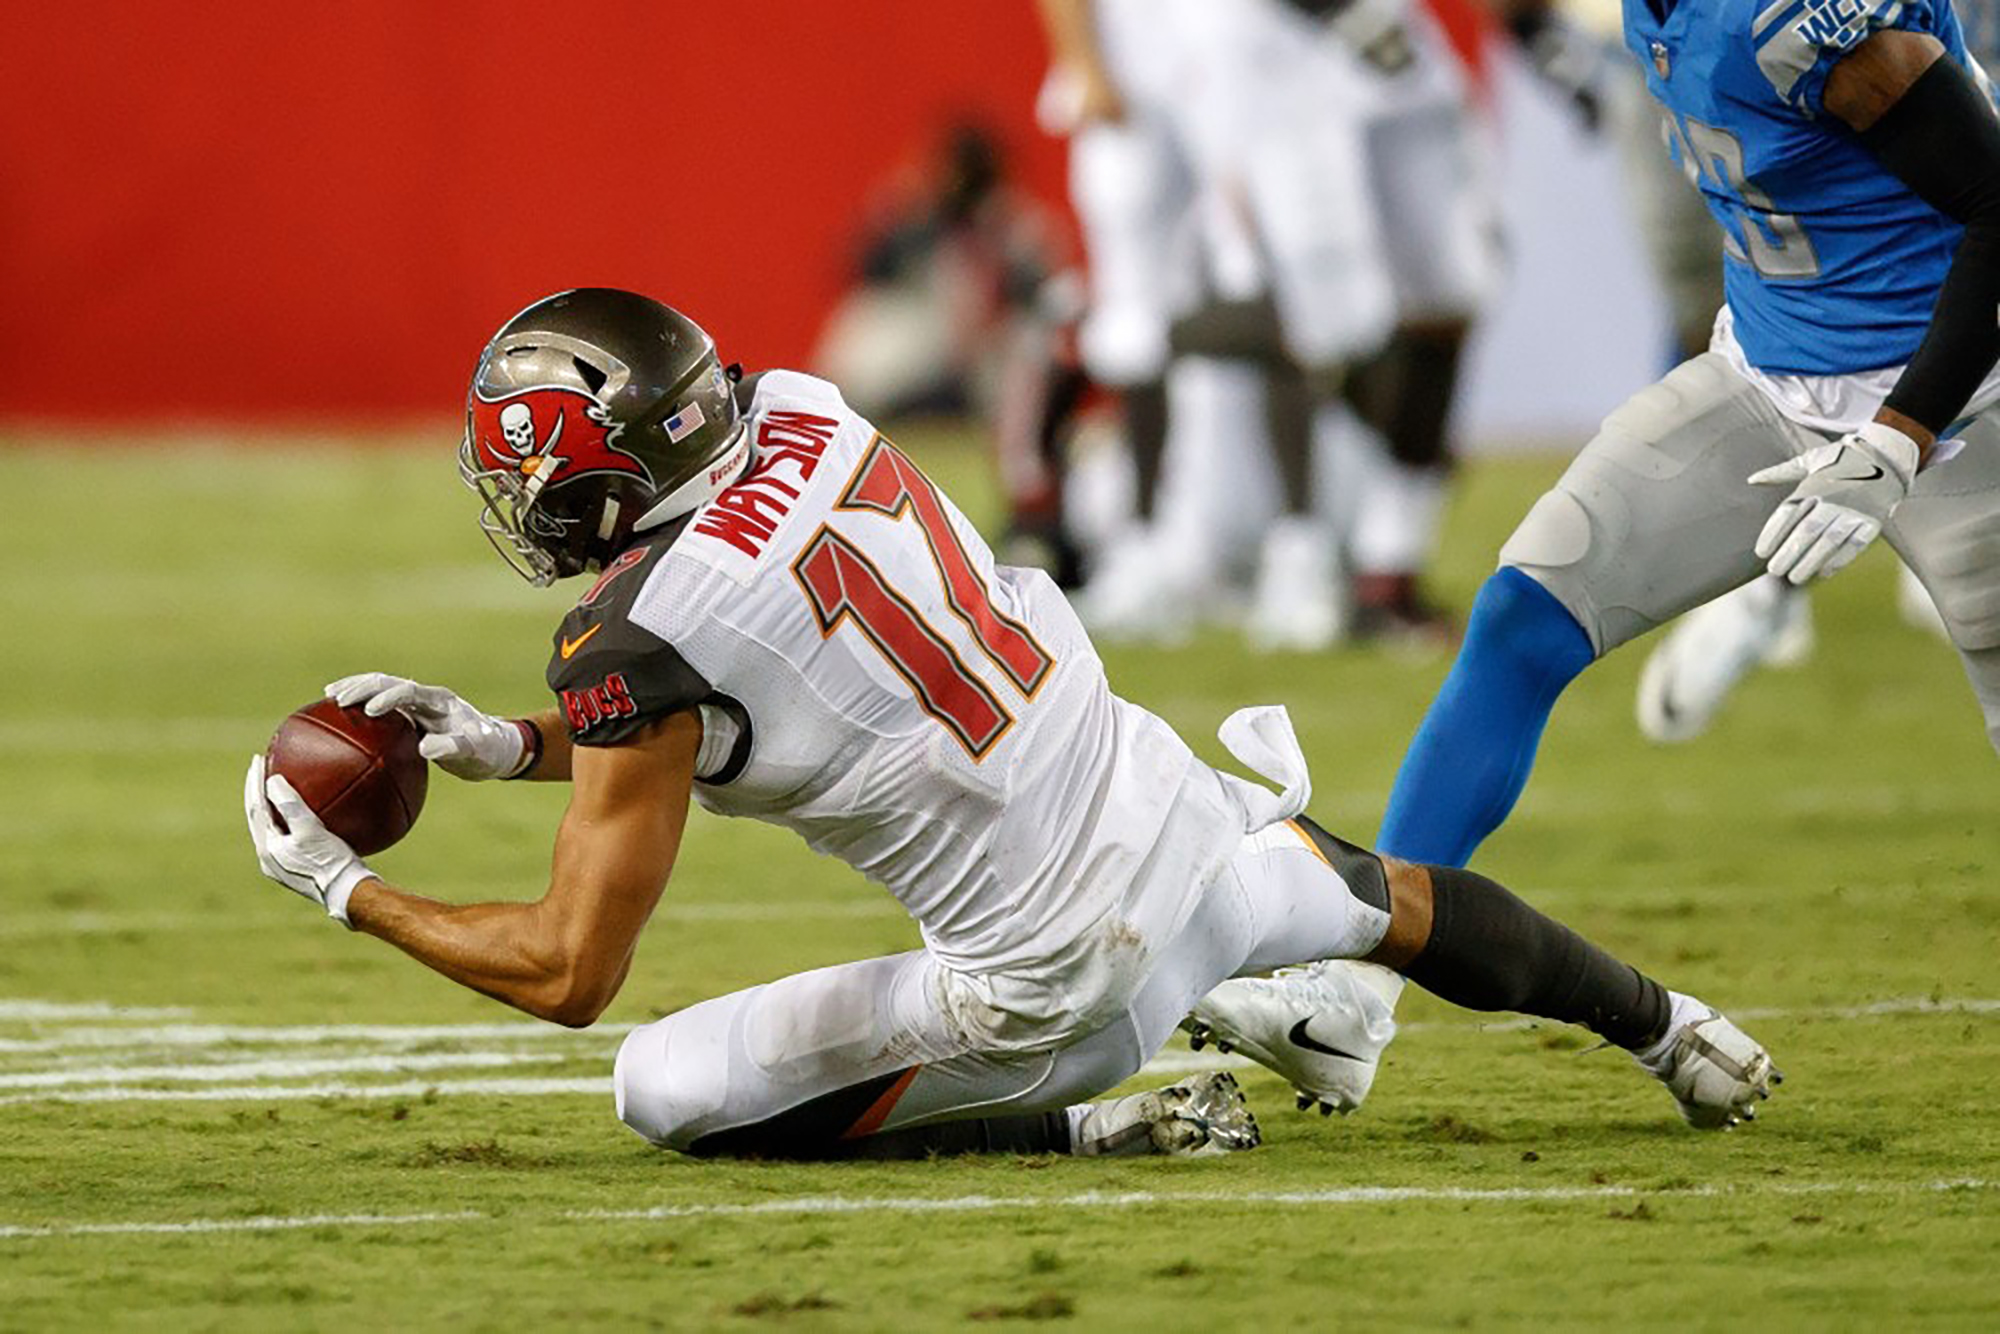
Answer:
(289, 1069)
(842, 1204)
(216, 1035)
(526, 1088)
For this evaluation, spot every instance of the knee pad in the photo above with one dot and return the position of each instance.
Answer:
(1549, 549)
(1653, 518)
(668, 1101)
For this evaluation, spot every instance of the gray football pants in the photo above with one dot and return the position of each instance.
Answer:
(1654, 517)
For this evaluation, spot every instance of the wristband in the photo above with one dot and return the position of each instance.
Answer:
(342, 889)
(531, 748)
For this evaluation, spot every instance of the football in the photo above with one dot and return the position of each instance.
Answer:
(361, 775)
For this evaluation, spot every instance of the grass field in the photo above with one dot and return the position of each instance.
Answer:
(219, 1111)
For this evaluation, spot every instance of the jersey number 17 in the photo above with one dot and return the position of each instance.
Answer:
(842, 584)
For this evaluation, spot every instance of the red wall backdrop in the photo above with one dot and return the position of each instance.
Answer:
(257, 210)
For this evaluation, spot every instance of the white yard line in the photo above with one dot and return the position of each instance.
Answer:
(237, 1225)
(222, 1072)
(1087, 1200)
(38, 1011)
(296, 1035)
(119, 1083)
(499, 1088)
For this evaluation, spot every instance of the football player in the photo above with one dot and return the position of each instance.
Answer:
(785, 619)
(1852, 156)
(1172, 106)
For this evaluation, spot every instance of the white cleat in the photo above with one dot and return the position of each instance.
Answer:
(1299, 603)
(1197, 1118)
(1691, 672)
(1716, 1072)
(1134, 595)
(1321, 1027)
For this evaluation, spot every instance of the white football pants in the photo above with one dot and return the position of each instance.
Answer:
(746, 1057)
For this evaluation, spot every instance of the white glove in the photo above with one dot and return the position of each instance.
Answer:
(305, 857)
(459, 739)
(1843, 496)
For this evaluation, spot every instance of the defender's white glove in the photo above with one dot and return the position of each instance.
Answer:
(1843, 496)
(305, 857)
(459, 739)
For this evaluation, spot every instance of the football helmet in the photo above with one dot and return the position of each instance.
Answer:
(595, 414)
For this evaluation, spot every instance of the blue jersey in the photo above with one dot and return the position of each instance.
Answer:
(1831, 264)
(1980, 21)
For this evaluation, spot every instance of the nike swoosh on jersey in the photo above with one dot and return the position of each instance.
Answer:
(1301, 1038)
(570, 646)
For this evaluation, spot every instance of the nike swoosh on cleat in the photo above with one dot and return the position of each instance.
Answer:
(1301, 1038)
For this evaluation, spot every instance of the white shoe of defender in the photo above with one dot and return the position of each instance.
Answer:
(1692, 671)
(1299, 603)
(1716, 1071)
(1198, 1117)
(1321, 1027)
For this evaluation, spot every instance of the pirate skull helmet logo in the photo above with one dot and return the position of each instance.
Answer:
(517, 427)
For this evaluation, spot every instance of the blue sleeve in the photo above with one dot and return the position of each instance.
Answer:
(1799, 44)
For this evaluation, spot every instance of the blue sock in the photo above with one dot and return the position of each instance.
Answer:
(1470, 758)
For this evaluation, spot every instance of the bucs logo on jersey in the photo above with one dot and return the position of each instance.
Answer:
(552, 434)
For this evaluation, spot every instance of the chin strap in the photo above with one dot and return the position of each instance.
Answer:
(705, 485)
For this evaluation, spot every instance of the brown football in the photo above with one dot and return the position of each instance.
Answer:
(361, 775)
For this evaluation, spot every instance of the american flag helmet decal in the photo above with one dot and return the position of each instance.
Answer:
(685, 423)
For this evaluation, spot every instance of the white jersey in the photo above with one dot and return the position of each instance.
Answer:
(870, 679)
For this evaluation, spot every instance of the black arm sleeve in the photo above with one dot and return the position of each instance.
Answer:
(1941, 138)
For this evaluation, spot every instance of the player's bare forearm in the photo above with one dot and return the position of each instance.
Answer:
(564, 956)
(553, 764)
(504, 950)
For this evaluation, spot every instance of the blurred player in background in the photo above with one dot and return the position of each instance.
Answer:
(1852, 157)
(1172, 103)
(788, 621)
(1292, 187)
